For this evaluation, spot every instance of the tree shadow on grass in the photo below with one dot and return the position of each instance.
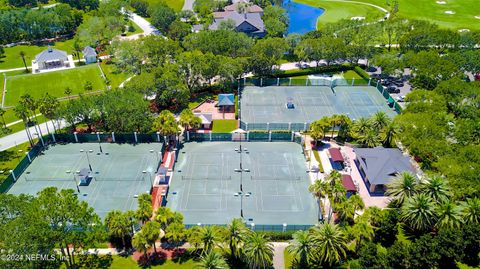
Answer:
(152, 259)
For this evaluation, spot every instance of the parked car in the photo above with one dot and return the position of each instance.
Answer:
(398, 83)
(392, 89)
(401, 98)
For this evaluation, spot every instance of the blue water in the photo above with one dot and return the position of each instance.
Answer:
(303, 18)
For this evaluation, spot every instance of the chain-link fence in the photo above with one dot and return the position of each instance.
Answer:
(75, 138)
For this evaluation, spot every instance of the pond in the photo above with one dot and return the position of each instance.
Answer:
(303, 18)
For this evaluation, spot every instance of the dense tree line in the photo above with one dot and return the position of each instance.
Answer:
(33, 24)
(42, 224)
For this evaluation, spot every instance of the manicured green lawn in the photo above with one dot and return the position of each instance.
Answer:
(175, 4)
(53, 82)
(351, 74)
(20, 126)
(464, 17)
(116, 77)
(10, 158)
(137, 28)
(335, 11)
(129, 263)
(224, 126)
(12, 57)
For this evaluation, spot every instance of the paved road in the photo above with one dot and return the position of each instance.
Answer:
(146, 26)
(278, 255)
(188, 5)
(10, 141)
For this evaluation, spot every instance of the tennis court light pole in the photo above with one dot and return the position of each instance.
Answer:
(88, 158)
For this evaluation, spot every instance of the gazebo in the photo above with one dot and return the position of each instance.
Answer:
(337, 158)
(226, 102)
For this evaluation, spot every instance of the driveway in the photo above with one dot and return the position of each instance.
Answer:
(146, 26)
(188, 5)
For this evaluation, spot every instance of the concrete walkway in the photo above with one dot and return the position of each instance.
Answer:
(20, 137)
(278, 254)
(188, 5)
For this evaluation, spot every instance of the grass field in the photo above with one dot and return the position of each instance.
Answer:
(53, 82)
(464, 17)
(337, 10)
(224, 126)
(137, 29)
(116, 77)
(17, 127)
(12, 57)
(175, 4)
(10, 158)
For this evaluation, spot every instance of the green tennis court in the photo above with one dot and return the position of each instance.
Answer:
(269, 104)
(118, 175)
(206, 184)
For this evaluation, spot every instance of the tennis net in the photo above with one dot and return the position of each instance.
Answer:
(30, 178)
(138, 178)
(276, 178)
(206, 178)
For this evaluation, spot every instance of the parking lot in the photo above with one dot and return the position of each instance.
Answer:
(398, 87)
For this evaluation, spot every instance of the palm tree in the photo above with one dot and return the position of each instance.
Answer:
(258, 251)
(301, 247)
(333, 177)
(189, 120)
(403, 186)
(21, 112)
(435, 187)
(319, 189)
(32, 105)
(360, 126)
(166, 124)
(330, 243)
(209, 237)
(48, 106)
(471, 211)
(319, 128)
(334, 121)
(212, 260)
(345, 124)
(193, 237)
(380, 120)
(449, 215)
(144, 211)
(348, 208)
(237, 231)
(140, 243)
(118, 225)
(22, 54)
(164, 216)
(389, 133)
(152, 232)
(175, 233)
(418, 212)
(77, 49)
(369, 138)
(360, 231)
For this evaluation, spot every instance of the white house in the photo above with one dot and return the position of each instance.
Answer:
(50, 59)
(90, 55)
